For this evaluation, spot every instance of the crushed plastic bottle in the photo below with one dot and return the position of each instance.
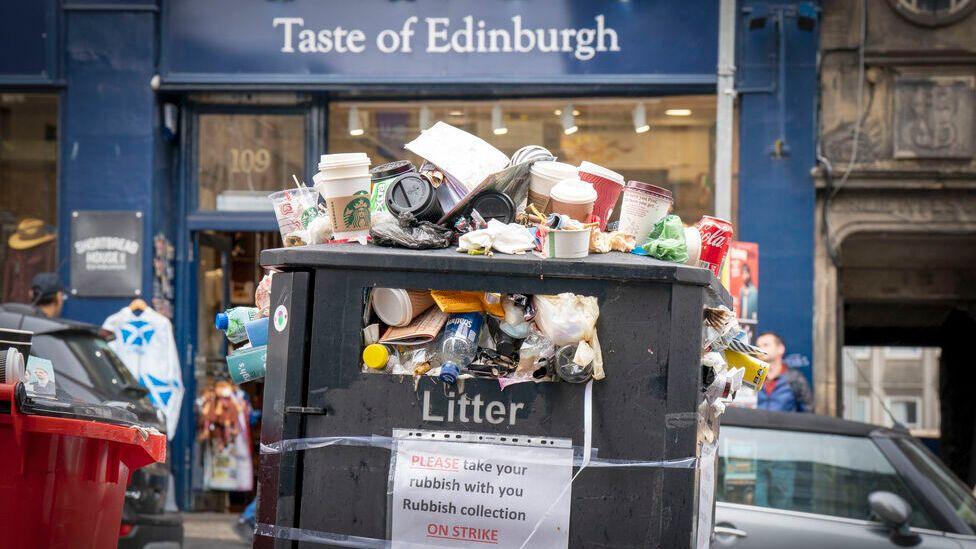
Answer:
(459, 346)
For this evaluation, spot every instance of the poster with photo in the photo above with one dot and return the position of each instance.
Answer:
(744, 285)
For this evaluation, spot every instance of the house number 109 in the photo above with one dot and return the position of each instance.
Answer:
(249, 160)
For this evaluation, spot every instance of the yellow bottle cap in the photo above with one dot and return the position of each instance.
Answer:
(376, 356)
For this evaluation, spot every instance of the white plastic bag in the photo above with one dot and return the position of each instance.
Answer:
(566, 318)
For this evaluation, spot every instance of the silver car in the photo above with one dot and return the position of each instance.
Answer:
(800, 480)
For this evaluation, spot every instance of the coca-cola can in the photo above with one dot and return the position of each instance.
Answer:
(716, 237)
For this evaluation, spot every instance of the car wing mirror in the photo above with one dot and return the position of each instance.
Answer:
(893, 511)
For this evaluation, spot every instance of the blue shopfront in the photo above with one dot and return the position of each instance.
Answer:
(193, 111)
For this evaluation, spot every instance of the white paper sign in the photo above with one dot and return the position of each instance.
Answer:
(472, 493)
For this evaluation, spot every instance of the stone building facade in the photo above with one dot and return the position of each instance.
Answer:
(895, 257)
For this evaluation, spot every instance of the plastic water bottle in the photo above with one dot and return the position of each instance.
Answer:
(459, 345)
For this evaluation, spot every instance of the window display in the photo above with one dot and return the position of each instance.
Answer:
(28, 160)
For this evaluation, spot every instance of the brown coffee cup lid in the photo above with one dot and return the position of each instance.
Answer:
(648, 188)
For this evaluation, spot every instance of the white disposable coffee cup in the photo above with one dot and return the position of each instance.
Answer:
(643, 206)
(545, 176)
(344, 182)
(693, 243)
(398, 307)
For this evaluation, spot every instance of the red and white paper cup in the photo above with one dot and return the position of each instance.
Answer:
(608, 185)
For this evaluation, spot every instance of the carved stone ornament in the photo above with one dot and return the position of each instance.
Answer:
(933, 117)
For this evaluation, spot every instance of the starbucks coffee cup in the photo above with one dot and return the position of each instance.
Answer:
(572, 197)
(398, 307)
(545, 175)
(344, 182)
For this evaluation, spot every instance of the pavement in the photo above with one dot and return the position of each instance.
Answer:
(211, 531)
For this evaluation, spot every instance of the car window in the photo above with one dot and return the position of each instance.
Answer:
(810, 472)
(84, 366)
(960, 498)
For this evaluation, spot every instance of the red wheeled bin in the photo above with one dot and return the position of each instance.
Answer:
(63, 479)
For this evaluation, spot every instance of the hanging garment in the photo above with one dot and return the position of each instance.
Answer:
(145, 344)
(225, 436)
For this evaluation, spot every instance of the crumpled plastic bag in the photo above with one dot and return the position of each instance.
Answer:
(567, 318)
(404, 231)
(666, 241)
(507, 239)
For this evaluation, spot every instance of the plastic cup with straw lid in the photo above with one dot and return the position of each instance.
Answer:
(344, 181)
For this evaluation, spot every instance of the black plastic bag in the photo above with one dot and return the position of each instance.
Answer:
(404, 231)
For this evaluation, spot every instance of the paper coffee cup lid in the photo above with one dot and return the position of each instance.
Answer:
(554, 170)
(605, 173)
(392, 305)
(573, 191)
(342, 160)
(648, 188)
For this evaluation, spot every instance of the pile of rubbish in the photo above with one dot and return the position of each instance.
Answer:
(455, 335)
(246, 329)
(470, 195)
(729, 362)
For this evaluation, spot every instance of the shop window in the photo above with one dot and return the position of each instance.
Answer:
(245, 157)
(666, 141)
(29, 191)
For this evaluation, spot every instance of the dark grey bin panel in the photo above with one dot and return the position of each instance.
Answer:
(650, 332)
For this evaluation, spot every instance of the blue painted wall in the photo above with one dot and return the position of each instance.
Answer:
(107, 131)
(776, 195)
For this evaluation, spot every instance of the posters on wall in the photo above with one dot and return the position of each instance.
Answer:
(744, 285)
(106, 253)
(461, 494)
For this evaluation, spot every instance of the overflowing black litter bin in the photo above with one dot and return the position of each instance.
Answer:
(644, 411)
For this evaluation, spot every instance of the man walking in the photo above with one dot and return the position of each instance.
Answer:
(785, 390)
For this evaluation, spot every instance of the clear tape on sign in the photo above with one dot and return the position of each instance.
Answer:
(379, 441)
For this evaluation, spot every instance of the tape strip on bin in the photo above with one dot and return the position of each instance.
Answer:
(582, 458)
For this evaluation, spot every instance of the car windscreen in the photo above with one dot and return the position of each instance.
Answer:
(959, 497)
(819, 473)
(84, 366)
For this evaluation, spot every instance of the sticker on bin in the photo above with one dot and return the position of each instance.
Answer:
(281, 318)
(453, 489)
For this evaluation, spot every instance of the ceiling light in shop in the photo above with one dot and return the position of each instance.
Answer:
(559, 112)
(678, 112)
(456, 113)
(497, 122)
(640, 119)
(355, 126)
(569, 120)
(424, 118)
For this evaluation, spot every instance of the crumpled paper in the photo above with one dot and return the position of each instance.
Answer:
(509, 238)
(618, 241)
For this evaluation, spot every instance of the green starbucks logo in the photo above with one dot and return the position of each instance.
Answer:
(356, 212)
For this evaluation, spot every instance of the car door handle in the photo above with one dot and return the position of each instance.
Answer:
(728, 531)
